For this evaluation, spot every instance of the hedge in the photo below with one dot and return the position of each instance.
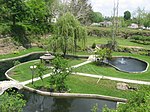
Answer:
(122, 32)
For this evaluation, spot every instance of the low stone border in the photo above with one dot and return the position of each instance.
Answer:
(6, 73)
(22, 56)
(76, 95)
(132, 58)
(68, 95)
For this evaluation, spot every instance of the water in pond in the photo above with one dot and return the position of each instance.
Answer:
(38, 103)
(5, 65)
(127, 64)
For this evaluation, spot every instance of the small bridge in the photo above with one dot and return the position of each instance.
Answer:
(4, 85)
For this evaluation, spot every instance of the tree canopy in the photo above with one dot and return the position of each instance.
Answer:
(96, 17)
(139, 102)
(68, 32)
(14, 10)
(12, 102)
(127, 15)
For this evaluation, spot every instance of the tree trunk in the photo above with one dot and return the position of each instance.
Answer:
(14, 19)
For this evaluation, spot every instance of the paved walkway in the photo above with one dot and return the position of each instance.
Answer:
(35, 79)
(4, 85)
(93, 76)
(113, 78)
(91, 59)
(81, 64)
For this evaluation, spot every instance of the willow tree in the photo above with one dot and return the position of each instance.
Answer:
(69, 32)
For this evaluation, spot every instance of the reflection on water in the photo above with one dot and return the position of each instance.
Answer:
(7, 64)
(128, 64)
(38, 103)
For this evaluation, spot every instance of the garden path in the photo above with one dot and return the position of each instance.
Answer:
(4, 85)
(113, 78)
(89, 60)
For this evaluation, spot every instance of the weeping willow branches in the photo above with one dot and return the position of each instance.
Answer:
(68, 32)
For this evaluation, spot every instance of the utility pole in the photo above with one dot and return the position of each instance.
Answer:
(115, 23)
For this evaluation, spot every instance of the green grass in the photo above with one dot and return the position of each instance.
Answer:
(90, 41)
(87, 85)
(23, 72)
(23, 52)
(92, 68)
(120, 41)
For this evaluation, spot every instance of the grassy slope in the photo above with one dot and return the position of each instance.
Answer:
(23, 72)
(110, 71)
(90, 41)
(81, 84)
(120, 41)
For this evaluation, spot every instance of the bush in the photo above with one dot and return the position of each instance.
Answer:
(4, 29)
(141, 39)
(123, 32)
(139, 102)
(97, 31)
(94, 45)
(12, 102)
(16, 63)
(19, 33)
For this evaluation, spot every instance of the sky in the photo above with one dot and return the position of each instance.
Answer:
(106, 6)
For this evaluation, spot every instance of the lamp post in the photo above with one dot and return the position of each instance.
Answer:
(32, 68)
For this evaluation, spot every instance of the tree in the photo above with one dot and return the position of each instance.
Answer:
(68, 30)
(115, 24)
(147, 20)
(139, 14)
(37, 10)
(40, 70)
(96, 17)
(60, 73)
(139, 102)
(16, 10)
(12, 102)
(81, 9)
(127, 15)
(104, 53)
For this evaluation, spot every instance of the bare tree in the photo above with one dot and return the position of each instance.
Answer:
(115, 23)
(81, 9)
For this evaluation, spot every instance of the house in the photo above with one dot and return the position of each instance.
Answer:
(133, 25)
(106, 23)
(95, 24)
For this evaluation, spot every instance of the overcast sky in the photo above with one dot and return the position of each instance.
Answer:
(106, 6)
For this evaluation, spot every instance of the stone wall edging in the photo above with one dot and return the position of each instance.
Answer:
(6, 73)
(133, 58)
(25, 55)
(76, 95)
(68, 95)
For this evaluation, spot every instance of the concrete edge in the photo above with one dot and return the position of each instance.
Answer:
(6, 73)
(68, 95)
(133, 58)
(76, 95)
(28, 54)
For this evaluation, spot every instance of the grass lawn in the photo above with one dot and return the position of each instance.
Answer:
(87, 85)
(120, 41)
(90, 41)
(92, 68)
(23, 52)
(23, 72)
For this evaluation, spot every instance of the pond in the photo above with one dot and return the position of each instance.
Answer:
(38, 103)
(128, 64)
